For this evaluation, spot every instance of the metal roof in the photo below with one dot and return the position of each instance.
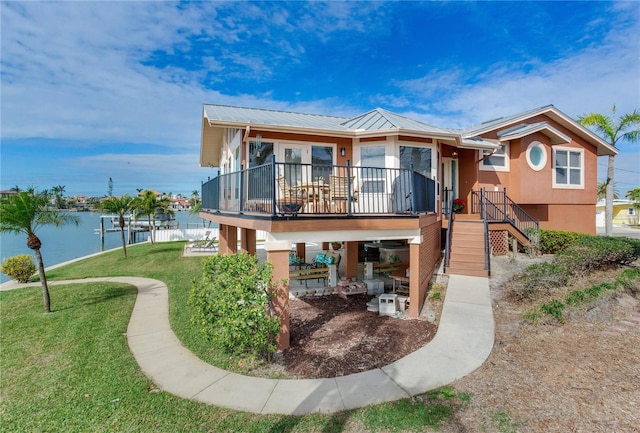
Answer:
(523, 129)
(258, 116)
(494, 123)
(603, 148)
(375, 120)
(381, 119)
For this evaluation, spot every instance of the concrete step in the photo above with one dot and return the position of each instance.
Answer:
(467, 272)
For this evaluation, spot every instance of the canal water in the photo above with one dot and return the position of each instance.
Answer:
(71, 242)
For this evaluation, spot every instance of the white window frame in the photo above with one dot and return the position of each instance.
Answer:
(505, 153)
(569, 150)
(543, 162)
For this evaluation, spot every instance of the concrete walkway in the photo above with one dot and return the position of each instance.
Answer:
(463, 342)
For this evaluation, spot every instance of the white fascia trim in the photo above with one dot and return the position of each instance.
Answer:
(468, 143)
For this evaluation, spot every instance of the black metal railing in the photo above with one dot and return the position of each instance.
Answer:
(286, 189)
(496, 206)
(448, 210)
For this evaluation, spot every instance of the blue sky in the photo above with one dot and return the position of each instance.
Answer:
(93, 90)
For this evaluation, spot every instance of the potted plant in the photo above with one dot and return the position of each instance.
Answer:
(458, 205)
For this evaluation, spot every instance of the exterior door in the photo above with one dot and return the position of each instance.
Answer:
(449, 181)
(294, 154)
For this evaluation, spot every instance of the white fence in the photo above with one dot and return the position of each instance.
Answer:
(188, 234)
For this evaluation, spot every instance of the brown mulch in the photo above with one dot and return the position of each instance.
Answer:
(544, 377)
(332, 337)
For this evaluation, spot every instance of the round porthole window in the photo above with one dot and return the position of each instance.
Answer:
(536, 156)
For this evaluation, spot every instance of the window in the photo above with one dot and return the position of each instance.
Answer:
(419, 156)
(321, 162)
(631, 211)
(567, 167)
(498, 161)
(260, 153)
(536, 156)
(373, 178)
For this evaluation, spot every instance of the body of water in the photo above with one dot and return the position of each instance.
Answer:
(71, 242)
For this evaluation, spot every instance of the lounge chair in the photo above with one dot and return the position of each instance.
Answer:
(206, 246)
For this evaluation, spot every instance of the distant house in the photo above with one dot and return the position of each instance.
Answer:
(624, 213)
(388, 179)
(8, 192)
(180, 204)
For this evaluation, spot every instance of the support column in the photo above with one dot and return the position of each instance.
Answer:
(350, 259)
(223, 248)
(228, 239)
(416, 295)
(248, 241)
(278, 255)
(301, 250)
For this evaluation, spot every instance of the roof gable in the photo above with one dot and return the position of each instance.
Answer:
(525, 129)
(551, 112)
(381, 120)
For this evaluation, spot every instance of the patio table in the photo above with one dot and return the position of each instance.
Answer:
(317, 193)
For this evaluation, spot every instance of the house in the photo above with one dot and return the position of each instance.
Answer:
(180, 204)
(624, 212)
(382, 177)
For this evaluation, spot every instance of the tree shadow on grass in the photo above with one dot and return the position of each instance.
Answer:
(85, 296)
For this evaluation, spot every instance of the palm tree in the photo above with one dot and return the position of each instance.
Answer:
(27, 211)
(195, 205)
(57, 196)
(602, 190)
(634, 195)
(148, 204)
(626, 128)
(120, 206)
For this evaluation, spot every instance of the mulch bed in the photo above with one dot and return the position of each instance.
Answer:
(333, 337)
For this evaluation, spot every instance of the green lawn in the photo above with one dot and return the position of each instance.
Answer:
(71, 370)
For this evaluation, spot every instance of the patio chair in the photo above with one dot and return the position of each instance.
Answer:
(290, 201)
(340, 191)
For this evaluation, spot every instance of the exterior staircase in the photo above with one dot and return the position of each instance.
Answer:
(467, 248)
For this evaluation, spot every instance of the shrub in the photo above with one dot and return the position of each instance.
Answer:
(232, 304)
(538, 279)
(20, 267)
(586, 254)
(555, 241)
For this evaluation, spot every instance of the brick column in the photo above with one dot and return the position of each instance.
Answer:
(301, 250)
(350, 259)
(222, 240)
(228, 239)
(278, 255)
(248, 241)
(416, 295)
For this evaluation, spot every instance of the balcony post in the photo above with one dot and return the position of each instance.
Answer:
(273, 185)
(349, 194)
(412, 190)
(504, 204)
(241, 192)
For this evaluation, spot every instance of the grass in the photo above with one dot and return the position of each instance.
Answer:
(71, 370)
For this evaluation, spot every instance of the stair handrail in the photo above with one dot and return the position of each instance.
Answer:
(447, 248)
(487, 248)
(497, 206)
